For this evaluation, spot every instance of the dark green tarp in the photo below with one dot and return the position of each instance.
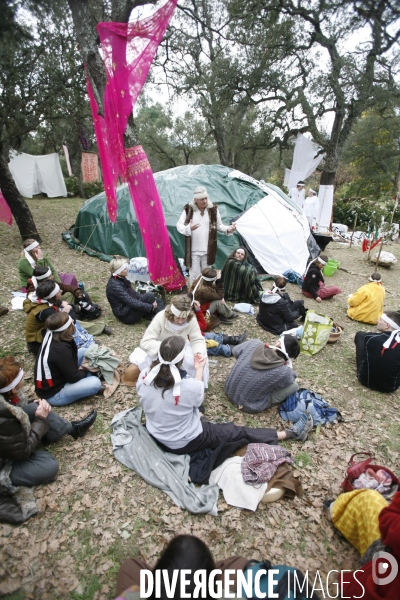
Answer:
(94, 230)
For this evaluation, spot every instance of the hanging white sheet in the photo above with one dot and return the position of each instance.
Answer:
(305, 161)
(35, 174)
(276, 236)
(325, 197)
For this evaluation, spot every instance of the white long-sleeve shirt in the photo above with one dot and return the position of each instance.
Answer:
(200, 235)
(298, 196)
(311, 209)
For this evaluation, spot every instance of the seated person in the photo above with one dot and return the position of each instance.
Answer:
(278, 312)
(217, 344)
(33, 256)
(182, 552)
(378, 354)
(76, 297)
(39, 305)
(171, 401)
(314, 283)
(177, 319)
(240, 278)
(366, 304)
(23, 424)
(128, 305)
(372, 526)
(262, 375)
(208, 290)
(59, 377)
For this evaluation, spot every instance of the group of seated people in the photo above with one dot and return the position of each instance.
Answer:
(173, 371)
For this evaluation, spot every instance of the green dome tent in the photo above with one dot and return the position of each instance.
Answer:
(94, 231)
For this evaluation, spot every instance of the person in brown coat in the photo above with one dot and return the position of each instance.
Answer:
(23, 425)
(208, 290)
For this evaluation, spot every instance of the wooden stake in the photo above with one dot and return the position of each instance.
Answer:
(354, 228)
(379, 255)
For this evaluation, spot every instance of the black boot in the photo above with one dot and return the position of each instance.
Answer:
(79, 428)
(234, 340)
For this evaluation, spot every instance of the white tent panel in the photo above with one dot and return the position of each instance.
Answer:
(325, 198)
(276, 237)
(35, 174)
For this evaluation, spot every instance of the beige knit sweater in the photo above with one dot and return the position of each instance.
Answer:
(158, 331)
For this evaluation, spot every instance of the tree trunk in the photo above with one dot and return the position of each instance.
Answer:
(327, 178)
(17, 204)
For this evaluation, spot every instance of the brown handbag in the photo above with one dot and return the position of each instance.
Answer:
(354, 470)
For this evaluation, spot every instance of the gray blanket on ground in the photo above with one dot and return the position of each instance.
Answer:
(135, 448)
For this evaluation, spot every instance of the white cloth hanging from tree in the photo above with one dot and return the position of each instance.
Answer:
(305, 161)
(35, 174)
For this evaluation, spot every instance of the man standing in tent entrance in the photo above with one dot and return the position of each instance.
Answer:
(297, 193)
(199, 222)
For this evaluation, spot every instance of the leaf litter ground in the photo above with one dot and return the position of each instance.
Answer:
(97, 512)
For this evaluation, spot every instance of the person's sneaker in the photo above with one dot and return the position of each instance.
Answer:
(107, 330)
(303, 426)
(79, 428)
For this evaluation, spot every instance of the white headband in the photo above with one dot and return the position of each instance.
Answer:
(174, 372)
(28, 256)
(122, 268)
(14, 382)
(282, 349)
(395, 335)
(375, 280)
(36, 278)
(32, 246)
(275, 288)
(312, 191)
(182, 314)
(199, 281)
(66, 325)
(44, 351)
(53, 293)
(44, 276)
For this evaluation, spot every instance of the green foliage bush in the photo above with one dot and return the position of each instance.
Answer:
(71, 184)
(367, 213)
(91, 188)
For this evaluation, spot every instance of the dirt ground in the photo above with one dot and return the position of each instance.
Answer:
(97, 512)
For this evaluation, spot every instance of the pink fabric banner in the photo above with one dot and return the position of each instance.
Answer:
(150, 216)
(128, 50)
(66, 154)
(5, 212)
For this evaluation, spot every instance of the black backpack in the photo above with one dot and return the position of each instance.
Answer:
(87, 309)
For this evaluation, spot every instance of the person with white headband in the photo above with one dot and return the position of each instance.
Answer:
(277, 311)
(199, 223)
(241, 282)
(313, 282)
(378, 354)
(171, 402)
(366, 304)
(208, 290)
(33, 256)
(77, 298)
(297, 193)
(59, 377)
(38, 306)
(23, 426)
(128, 305)
(311, 208)
(262, 375)
(178, 318)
